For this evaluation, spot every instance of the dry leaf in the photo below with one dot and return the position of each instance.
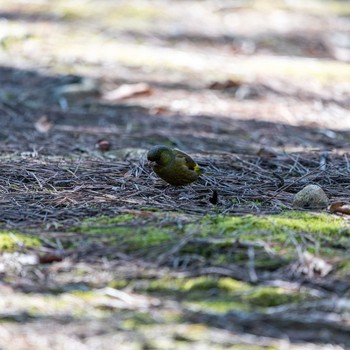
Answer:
(127, 91)
(103, 145)
(265, 152)
(43, 124)
(159, 110)
(313, 264)
(49, 258)
(340, 207)
(223, 85)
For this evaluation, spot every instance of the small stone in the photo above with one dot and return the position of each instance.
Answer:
(311, 197)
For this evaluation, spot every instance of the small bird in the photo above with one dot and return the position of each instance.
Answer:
(173, 166)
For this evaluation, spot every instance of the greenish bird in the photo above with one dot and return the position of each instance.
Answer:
(173, 166)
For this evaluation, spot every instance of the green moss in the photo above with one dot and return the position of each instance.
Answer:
(151, 237)
(204, 283)
(220, 294)
(220, 236)
(131, 232)
(217, 236)
(199, 284)
(244, 226)
(344, 268)
(86, 295)
(279, 231)
(118, 284)
(220, 305)
(269, 296)
(231, 285)
(323, 224)
(11, 241)
(163, 285)
(139, 319)
(105, 220)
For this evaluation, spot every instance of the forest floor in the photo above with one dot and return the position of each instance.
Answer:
(96, 252)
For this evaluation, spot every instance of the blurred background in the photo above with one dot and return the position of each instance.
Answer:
(282, 62)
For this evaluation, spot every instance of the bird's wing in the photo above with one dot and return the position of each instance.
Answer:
(189, 162)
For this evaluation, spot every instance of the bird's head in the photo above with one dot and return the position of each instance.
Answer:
(161, 155)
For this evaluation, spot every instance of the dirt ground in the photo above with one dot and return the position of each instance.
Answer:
(99, 253)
